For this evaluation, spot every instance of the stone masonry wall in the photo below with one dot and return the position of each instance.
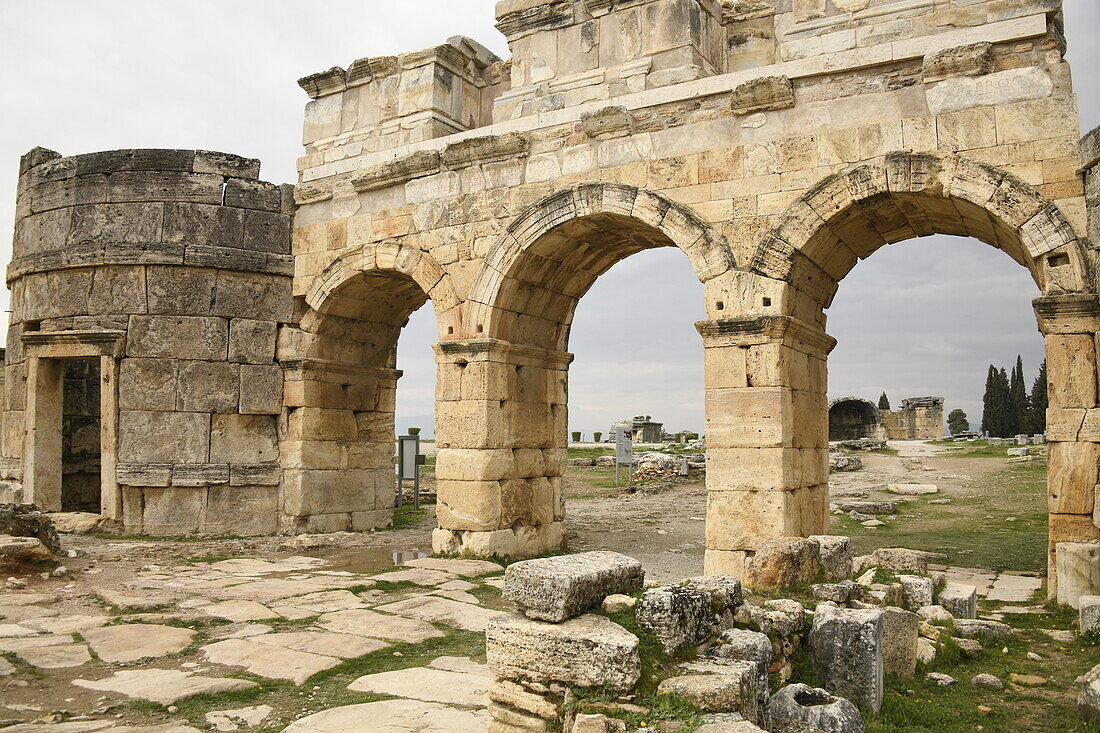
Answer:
(775, 143)
(182, 258)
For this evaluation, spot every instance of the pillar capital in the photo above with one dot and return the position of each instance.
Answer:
(491, 349)
(758, 330)
(1065, 314)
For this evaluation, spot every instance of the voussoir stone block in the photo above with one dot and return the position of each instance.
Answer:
(588, 651)
(557, 588)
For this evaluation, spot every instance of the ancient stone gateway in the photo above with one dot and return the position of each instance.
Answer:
(775, 143)
(852, 418)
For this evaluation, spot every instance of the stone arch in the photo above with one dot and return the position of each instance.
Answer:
(850, 214)
(852, 418)
(502, 399)
(554, 251)
(340, 383)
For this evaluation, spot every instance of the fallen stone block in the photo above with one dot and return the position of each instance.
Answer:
(588, 651)
(916, 591)
(841, 593)
(835, 555)
(679, 616)
(17, 552)
(557, 588)
(734, 690)
(899, 642)
(784, 562)
(846, 647)
(960, 600)
(1088, 700)
(1089, 613)
(1078, 566)
(978, 628)
(800, 708)
(25, 520)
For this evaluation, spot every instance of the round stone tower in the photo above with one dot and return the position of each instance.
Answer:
(147, 289)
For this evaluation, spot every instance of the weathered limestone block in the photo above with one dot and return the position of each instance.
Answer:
(974, 59)
(763, 94)
(517, 542)
(744, 520)
(251, 342)
(206, 474)
(898, 559)
(607, 122)
(836, 556)
(734, 690)
(1074, 471)
(163, 437)
(846, 646)
(545, 706)
(679, 616)
(253, 295)
(16, 551)
(261, 390)
(800, 708)
(243, 439)
(178, 337)
(1088, 700)
(1078, 565)
(488, 149)
(208, 386)
(784, 562)
(916, 591)
(557, 588)
(147, 384)
(899, 641)
(25, 520)
(725, 590)
(960, 600)
(397, 172)
(1088, 608)
(588, 651)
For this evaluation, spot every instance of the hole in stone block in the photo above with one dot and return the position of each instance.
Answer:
(450, 330)
(720, 305)
(1057, 260)
(767, 302)
(480, 328)
(812, 698)
(29, 326)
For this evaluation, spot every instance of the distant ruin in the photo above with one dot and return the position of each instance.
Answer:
(642, 429)
(852, 418)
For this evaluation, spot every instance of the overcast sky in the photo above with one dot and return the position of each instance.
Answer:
(918, 318)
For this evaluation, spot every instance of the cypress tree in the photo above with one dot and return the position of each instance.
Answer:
(1003, 404)
(1018, 418)
(884, 403)
(1037, 403)
(988, 408)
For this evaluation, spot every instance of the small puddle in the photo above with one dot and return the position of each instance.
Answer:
(366, 559)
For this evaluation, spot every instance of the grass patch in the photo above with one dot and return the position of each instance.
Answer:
(589, 452)
(973, 530)
(407, 517)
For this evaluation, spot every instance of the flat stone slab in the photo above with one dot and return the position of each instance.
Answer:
(557, 588)
(28, 642)
(55, 657)
(588, 651)
(131, 602)
(68, 624)
(379, 626)
(253, 566)
(73, 726)
(9, 630)
(6, 667)
(130, 642)
(268, 660)
(457, 566)
(444, 611)
(419, 576)
(17, 614)
(393, 716)
(165, 686)
(26, 599)
(327, 601)
(240, 611)
(275, 589)
(230, 720)
(429, 685)
(912, 489)
(344, 646)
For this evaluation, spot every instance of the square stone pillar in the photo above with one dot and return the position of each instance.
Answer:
(337, 446)
(767, 435)
(1070, 324)
(501, 422)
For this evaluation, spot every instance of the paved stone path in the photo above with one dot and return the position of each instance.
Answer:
(282, 619)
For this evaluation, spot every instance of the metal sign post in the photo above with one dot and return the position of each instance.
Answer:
(624, 451)
(409, 462)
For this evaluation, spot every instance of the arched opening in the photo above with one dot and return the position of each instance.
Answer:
(852, 418)
(500, 483)
(850, 215)
(340, 390)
